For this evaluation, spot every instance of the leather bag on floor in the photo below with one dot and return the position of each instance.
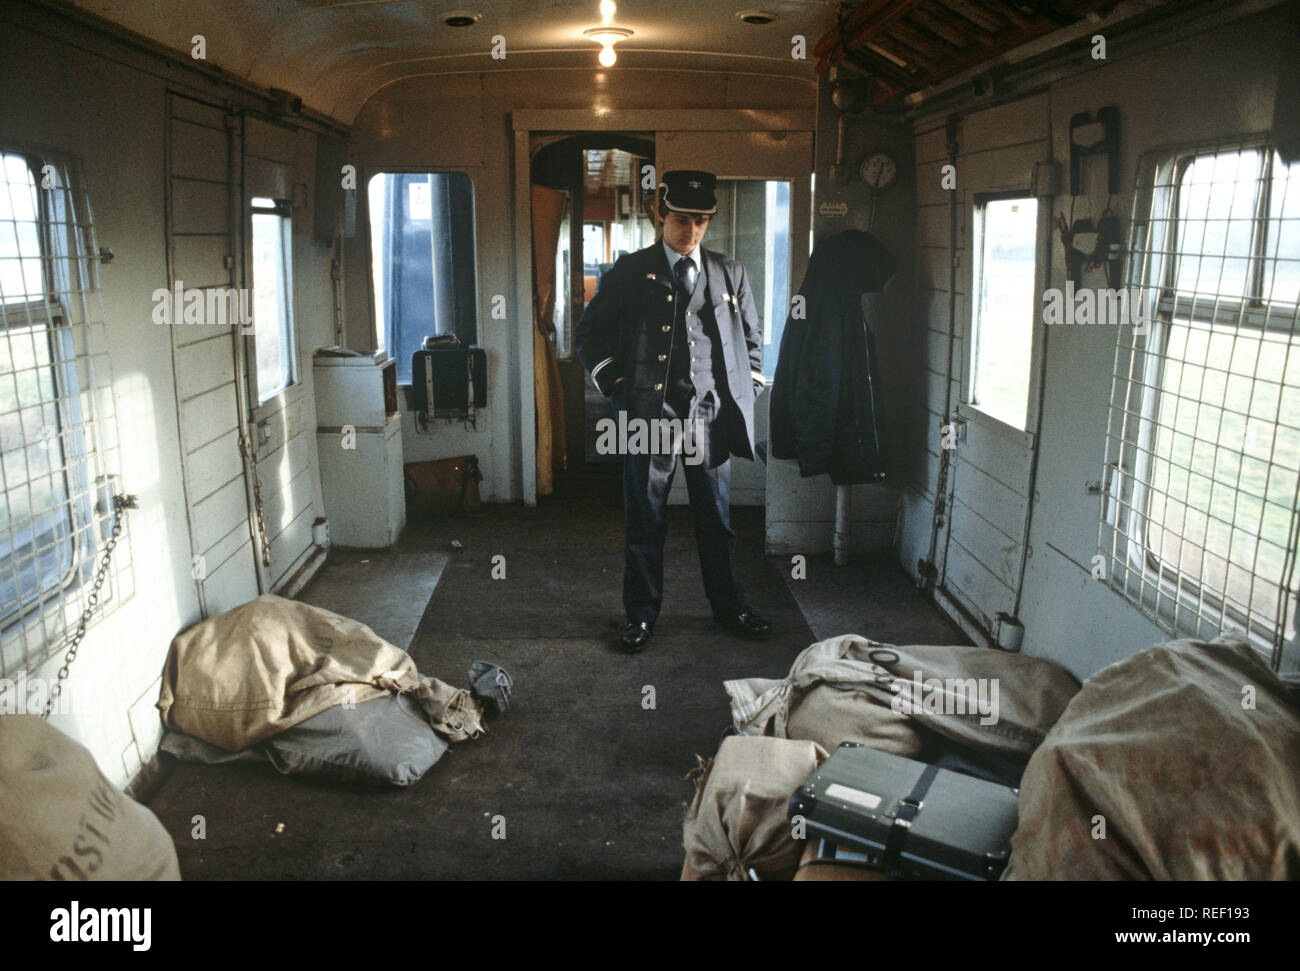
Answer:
(443, 487)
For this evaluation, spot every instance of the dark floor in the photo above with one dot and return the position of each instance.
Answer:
(589, 781)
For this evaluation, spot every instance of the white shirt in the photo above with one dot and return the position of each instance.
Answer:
(674, 256)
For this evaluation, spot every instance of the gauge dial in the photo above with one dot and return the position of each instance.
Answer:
(878, 170)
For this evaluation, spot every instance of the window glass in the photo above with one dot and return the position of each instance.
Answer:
(422, 261)
(272, 298)
(1003, 326)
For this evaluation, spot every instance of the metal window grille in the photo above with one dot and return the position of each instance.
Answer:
(58, 433)
(1199, 523)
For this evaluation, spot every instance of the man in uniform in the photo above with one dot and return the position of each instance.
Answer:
(673, 333)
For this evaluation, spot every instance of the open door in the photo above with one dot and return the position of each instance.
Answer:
(588, 209)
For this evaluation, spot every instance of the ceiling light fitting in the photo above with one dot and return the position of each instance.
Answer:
(607, 37)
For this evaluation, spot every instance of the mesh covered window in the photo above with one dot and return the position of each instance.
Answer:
(1199, 524)
(58, 439)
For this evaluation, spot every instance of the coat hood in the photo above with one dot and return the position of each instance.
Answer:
(851, 263)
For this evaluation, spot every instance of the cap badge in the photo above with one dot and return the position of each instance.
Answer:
(694, 183)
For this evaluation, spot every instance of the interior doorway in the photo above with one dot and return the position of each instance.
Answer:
(593, 202)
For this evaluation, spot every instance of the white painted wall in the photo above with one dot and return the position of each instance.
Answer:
(81, 93)
(1217, 83)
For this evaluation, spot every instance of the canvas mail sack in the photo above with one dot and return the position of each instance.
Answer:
(1179, 763)
(241, 677)
(843, 689)
(60, 819)
(736, 827)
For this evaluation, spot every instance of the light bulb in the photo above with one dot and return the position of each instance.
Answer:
(607, 56)
(607, 8)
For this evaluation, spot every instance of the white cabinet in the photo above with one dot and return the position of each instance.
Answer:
(359, 445)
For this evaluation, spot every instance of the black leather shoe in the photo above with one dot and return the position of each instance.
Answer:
(635, 636)
(747, 623)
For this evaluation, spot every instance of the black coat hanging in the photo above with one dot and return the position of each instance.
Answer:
(826, 409)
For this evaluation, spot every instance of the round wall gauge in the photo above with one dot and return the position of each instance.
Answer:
(878, 170)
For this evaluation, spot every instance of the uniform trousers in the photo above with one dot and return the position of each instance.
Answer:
(647, 479)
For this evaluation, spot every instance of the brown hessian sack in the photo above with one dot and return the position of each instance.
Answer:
(60, 819)
(736, 827)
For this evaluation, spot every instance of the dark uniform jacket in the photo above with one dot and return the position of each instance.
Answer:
(627, 333)
(826, 408)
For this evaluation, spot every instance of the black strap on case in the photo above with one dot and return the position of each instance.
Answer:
(908, 809)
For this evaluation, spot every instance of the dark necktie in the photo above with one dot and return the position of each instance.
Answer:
(685, 270)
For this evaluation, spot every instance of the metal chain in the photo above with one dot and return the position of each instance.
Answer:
(120, 505)
(941, 487)
(250, 454)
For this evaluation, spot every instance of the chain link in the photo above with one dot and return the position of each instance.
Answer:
(120, 505)
(250, 453)
(941, 487)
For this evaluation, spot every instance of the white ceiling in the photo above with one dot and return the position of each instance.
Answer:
(336, 53)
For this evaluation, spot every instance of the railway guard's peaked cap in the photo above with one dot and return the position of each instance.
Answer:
(687, 190)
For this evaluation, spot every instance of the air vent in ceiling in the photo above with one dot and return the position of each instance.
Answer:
(460, 18)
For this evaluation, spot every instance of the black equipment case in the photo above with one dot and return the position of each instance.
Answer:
(914, 819)
(448, 378)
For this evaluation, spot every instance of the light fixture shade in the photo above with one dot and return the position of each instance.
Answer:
(607, 37)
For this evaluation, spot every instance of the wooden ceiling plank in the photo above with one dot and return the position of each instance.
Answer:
(881, 68)
(954, 33)
(1006, 39)
(924, 42)
(1061, 12)
(1076, 9)
(859, 16)
(967, 11)
(858, 30)
(1005, 42)
(895, 11)
(1003, 10)
(896, 47)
